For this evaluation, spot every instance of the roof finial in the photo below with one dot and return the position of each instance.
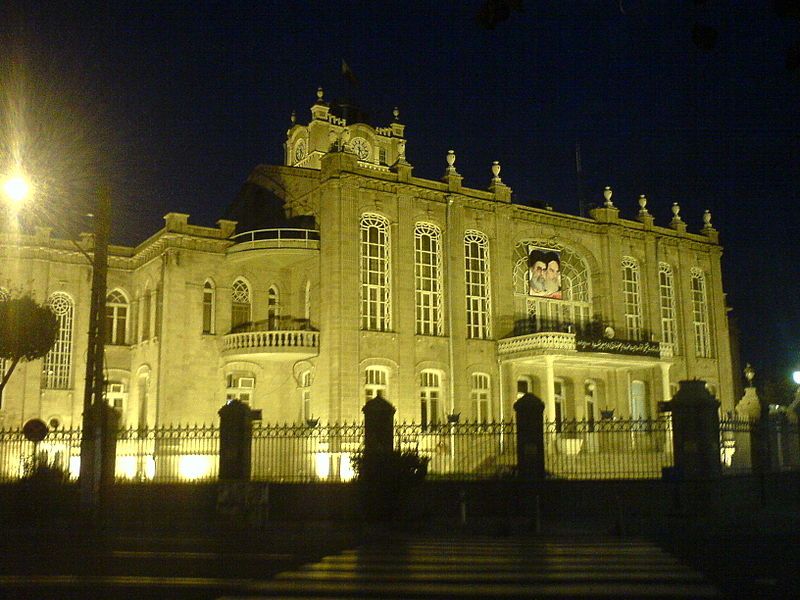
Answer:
(396, 113)
(293, 118)
(643, 205)
(319, 94)
(707, 220)
(451, 161)
(676, 213)
(496, 172)
(607, 193)
(749, 374)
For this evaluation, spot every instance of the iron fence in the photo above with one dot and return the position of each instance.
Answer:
(462, 450)
(299, 453)
(604, 449)
(608, 449)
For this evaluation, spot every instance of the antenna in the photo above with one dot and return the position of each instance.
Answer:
(579, 181)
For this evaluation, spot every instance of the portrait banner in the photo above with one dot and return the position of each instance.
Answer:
(544, 272)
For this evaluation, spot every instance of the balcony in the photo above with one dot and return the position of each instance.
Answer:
(532, 338)
(275, 239)
(291, 339)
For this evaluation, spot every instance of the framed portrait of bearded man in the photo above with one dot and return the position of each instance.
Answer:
(544, 272)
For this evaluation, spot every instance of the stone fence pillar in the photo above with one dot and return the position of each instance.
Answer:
(378, 425)
(530, 437)
(235, 441)
(695, 427)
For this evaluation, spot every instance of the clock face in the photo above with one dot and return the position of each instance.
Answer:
(300, 150)
(361, 147)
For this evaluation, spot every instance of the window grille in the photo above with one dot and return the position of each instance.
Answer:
(476, 266)
(240, 303)
(375, 274)
(669, 328)
(209, 306)
(428, 279)
(430, 394)
(480, 396)
(57, 367)
(702, 337)
(376, 383)
(116, 318)
(631, 297)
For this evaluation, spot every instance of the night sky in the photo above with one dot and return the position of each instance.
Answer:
(174, 105)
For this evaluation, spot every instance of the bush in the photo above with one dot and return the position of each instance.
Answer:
(385, 479)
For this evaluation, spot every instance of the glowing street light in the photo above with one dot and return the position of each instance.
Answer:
(796, 377)
(16, 188)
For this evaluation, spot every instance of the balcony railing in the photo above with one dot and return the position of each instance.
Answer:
(252, 342)
(286, 238)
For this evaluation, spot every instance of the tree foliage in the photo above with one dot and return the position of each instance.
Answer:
(27, 331)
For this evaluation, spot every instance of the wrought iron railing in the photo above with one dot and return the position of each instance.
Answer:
(608, 449)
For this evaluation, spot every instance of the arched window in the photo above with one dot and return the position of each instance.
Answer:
(305, 395)
(273, 309)
(480, 395)
(209, 307)
(702, 336)
(669, 328)
(476, 271)
(376, 314)
(57, 367)
(428, 279)
(240, 304)
(631, 298)
(116, 318)
(376, 383)
(430, 395)
(541, 313)
(559, 397)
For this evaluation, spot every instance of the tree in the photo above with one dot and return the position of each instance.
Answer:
(27, 331)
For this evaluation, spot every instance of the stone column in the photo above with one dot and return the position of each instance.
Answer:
(378, 425)
(530, 437)
(549, 389)
(695, 423)
(235, 441)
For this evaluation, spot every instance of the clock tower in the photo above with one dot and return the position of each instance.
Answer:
(342, 127)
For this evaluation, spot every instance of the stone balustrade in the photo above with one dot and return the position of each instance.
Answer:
(257, 342)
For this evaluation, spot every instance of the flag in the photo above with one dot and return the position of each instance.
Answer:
(348, 74)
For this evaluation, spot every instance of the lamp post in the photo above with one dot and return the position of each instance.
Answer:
(91, 479)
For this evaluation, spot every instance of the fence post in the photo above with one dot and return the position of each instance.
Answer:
(695, 431)
(235, 441)
(378, 425)
(530, 437)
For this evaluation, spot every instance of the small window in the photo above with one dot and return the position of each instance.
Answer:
(376, 383)
(240, 386)
(208, 307)
(430, 395)
(480, 396)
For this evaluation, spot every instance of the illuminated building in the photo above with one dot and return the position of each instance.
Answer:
(349, 277)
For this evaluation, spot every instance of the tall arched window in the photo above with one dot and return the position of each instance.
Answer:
(240, 304)
(376, 382)
(209, 307)
(666, 287)
(145, 308)
(428, 279)
(116, 318)
(273, 309)
(702, 336)
(590, 402)
(307, 303)
(540, 313)
(480, 396)
(376, 314)
(631, 298)
(305, 395)
(430, 395)
(4, 295)
(57, 367)
(476, 271)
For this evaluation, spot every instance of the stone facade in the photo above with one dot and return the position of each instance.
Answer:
(305, 346)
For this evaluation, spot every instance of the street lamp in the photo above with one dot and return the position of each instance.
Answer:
(17, 189)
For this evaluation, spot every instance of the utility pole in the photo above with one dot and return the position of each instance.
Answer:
(93, 434)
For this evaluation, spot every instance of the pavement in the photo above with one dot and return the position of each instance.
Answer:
(485, 567)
